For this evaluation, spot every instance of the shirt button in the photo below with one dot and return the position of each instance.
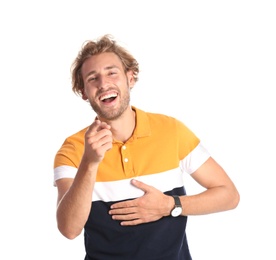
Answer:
(126, 160)
(124, 147)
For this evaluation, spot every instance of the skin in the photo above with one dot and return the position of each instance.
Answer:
(104, 74)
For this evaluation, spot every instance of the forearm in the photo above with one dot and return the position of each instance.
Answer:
(74, 207)
(212, 200)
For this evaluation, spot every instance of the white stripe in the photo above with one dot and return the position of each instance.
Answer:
(123, 189)
(194, 159)
(64, 171)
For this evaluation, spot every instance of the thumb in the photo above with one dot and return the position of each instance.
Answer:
(140, 185)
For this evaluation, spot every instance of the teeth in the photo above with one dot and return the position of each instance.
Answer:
(108, 96)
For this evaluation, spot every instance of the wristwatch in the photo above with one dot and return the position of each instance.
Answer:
(177, 207)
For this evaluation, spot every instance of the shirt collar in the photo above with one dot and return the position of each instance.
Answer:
(142, 127)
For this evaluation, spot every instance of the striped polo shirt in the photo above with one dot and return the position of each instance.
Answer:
(160, 150)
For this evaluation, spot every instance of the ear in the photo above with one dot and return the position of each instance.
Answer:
(83, 95)
(130, 79)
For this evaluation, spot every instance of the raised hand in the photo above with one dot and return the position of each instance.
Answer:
(98, 140)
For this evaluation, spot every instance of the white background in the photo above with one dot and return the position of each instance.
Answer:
(211, 64)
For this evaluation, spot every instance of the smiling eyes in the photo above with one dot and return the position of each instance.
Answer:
(109, 74)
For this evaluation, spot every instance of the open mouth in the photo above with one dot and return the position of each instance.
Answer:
(109, 97)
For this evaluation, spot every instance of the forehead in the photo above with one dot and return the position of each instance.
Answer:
(101, 61)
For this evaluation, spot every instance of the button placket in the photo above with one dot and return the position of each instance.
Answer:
(126, 159)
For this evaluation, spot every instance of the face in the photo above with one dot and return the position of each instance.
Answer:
(106, 85)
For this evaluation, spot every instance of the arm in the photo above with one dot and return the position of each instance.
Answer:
(220, 195)
(75, 195)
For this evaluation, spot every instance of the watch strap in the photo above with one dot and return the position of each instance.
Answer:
(177, 201)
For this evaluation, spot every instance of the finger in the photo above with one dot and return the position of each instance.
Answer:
(140, 185)
(106, 143)
(93, 128)
(132, 222)
(98, 129)
(97, 126)
(124, 204)
(103, 125)
(130, 216)
(99, 136)
(123, 211)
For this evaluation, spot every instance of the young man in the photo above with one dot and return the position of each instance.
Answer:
(121, 178)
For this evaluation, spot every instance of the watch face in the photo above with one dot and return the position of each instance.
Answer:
(176, 212)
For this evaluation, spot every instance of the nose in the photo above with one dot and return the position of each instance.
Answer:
(102, 82)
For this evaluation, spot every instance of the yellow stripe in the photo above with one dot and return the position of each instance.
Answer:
(158, 144)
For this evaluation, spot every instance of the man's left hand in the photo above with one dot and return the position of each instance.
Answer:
(152, 206)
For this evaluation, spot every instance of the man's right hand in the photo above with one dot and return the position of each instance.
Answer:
(98, 140)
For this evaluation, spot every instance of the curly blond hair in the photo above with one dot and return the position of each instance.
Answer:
(105, 43)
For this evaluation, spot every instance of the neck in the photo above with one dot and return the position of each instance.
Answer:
(123, 127)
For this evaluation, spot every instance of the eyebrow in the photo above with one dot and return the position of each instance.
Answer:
(106, 68)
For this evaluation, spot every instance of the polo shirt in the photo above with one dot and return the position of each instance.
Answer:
(160, 150)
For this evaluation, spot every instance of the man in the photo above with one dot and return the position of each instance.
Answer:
(121, 178)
